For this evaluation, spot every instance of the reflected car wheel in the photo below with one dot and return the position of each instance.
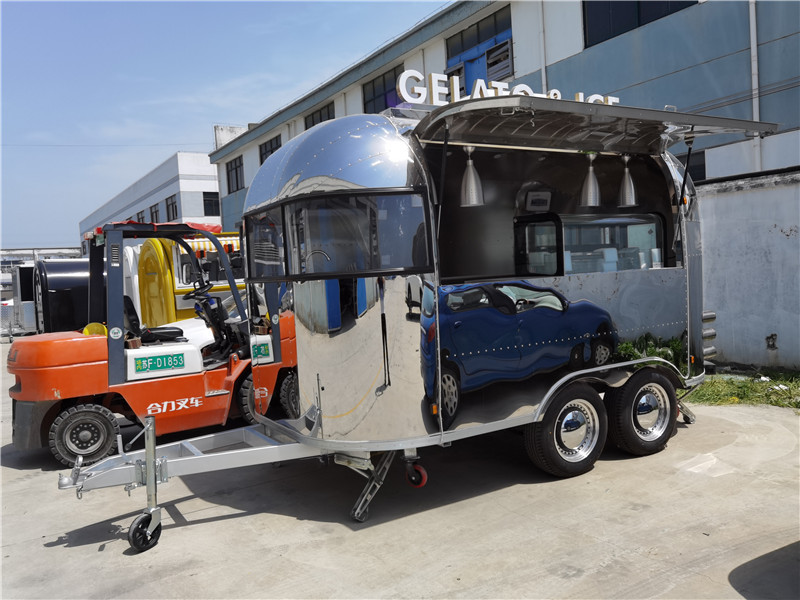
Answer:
(601, 353)
(450, 397)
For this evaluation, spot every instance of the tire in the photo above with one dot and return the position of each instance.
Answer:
(408, 300)
(569, 439)
(451, 396)
(247, 400)
(290, 396)
(137, 534)
(643, 413)
(417, 477)
(87, 430)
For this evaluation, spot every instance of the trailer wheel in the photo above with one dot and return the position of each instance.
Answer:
(416, 475)
(570, 437)
(138, 537)
(451, 394)
(247, 400)
(643, 413)
(87, 430)
(290, 396)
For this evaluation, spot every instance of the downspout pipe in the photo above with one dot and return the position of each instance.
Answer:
(754, 86)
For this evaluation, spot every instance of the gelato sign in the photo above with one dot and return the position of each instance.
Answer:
(412, 87)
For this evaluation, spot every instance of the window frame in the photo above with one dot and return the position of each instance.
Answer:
(234, 169)
(324, 113)
(211, 197)
(372, 97)
(266, 149)
(171, 203)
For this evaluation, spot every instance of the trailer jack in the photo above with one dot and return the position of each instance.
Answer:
(145, 530)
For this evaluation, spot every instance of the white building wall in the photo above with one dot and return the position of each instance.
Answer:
(751, 268)
(526, 48)
(777, 152)
(563, 23)
(185, 174)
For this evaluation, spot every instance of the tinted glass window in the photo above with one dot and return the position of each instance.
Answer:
(356, 234)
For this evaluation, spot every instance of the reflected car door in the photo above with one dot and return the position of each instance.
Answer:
(483, 335)
(544, 328)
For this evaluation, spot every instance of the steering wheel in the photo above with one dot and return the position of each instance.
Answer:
(197, 292)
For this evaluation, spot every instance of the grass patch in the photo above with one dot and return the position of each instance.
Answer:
(774, 388)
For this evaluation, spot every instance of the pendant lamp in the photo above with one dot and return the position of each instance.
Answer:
(627, 191)
(590, 194)
(471, 188)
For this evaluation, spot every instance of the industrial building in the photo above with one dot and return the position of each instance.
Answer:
(182, 189)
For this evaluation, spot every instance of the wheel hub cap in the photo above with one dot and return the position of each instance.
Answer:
(576, 432)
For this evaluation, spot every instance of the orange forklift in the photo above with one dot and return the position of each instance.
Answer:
(71, 388)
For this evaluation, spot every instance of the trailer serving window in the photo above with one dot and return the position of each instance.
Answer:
(553, 245)
(347, 234)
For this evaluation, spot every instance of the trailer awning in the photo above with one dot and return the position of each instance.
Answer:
(204, 244)
(527, 122)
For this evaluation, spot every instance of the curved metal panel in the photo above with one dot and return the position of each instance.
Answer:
(561, 124)
(350, 153)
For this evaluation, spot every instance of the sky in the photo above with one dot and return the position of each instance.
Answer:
(95, 95)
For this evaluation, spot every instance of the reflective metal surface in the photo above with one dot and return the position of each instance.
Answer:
(650, 412)
(577, 430)
(578, 126)
(351, 153)
(365, 376)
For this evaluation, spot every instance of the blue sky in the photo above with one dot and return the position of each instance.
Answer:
(97, 94)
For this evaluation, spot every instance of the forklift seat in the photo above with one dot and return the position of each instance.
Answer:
(149, 335)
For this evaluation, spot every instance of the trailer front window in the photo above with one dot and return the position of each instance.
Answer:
(357, 234)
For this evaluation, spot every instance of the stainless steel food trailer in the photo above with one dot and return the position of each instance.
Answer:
(552, 249)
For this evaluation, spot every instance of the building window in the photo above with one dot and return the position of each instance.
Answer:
(482, 51)
(154, 213)
(318, 116)
(211, 204)
(381, 92)
(697, 168)
(235, 170)
(172, 208)
(268, 147)
(140, 216)
(605, 19)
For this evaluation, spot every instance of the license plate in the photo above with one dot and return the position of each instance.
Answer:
(163, 362)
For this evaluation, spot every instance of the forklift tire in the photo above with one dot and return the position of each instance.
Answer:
(571, 435)
(247, 400)
(87, 430)
(137, 534)
(643, 413)
(290, 396)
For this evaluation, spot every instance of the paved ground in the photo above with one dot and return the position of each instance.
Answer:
(716, 515)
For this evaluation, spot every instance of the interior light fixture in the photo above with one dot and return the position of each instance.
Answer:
(590, 194)
(627, 191)
(471, 187)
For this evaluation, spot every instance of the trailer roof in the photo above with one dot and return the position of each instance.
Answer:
(566, 125)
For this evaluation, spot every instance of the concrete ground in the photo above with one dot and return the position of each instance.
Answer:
(715, 515)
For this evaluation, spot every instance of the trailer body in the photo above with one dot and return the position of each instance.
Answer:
(552, 250)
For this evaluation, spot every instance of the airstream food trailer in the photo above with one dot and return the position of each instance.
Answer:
(491, 264)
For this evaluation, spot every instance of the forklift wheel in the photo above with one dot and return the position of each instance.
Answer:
(137, 534)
